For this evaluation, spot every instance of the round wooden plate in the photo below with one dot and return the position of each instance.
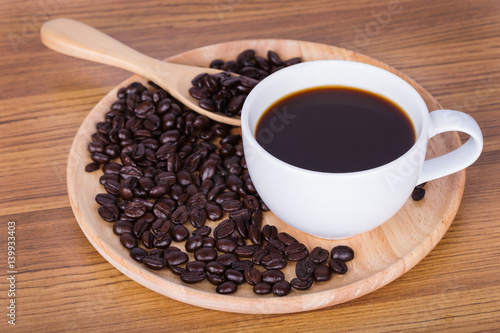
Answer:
(382, 255)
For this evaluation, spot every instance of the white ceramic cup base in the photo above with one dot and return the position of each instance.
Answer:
(340, 205)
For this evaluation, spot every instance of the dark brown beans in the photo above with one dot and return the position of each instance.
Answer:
(215, 267)
(138, 254)
(274, 261)
(179, 233)
(301, 283)
(226, 245)
(418, 194)
(322, 273)
(227, 259)
(262, 288)
(175, 258)
(246, 251)
(206, 254)
(337, 266)
(242, 265)
(193, 243)
(319, 255)
(342, 252)
(304, 268)
(227, 287)
(224, 229)
(234, 275)
(192, 277)
(252, 276)
(109, 212)
(272, 276)
(128, 241)
(281, 288)
(154, 262)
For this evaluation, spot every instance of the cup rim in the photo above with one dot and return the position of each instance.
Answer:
(247, 132)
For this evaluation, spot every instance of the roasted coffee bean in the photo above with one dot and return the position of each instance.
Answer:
(304, 268)
(105, 178)
(241, 265)
(109, 212)
(215, 191)
(274, 58)
(202, 231)
(250, 202)
(161, 227)
(191, 277)
(224, 229)
(193, 243)
(179, 233)
(281, 288)
(214, 267)
(164, 209)
(255, 235)
(258, 256)
(157, 253)
(158, 191)
(246, 251)
(148, 204)
(140, 227)
(135, 209)
(138, 254)
(276, 244)
(318, 255)
(342, 252)
(227, 287)
(154, 262)
(162, 242)
(147, 239)
(418, 193)
(226, 196)
(225, 245)
(231, 205)
(262, 288)
(301, 283)
(241, 228)
(112, 187)
(296, 251)
(269, 232)
(272, 276)
(91, 167)
(227, 259)
(180, 215)
(128, 241)
(146, 183)
(286, 238)
(234, 275)
(178, 270)
(196, 266)
(337, 266)
(208, 242)
(274, 261)
(121, 227)
(214, 212)
(215, 279)
(252, 276)
(198, 217)
(206, 254)
(322, 273)
(175, 258)
(208, 169)
(243, 214)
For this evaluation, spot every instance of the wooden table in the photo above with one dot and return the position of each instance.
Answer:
(452, 48)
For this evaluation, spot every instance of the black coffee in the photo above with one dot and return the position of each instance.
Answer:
(335, 129)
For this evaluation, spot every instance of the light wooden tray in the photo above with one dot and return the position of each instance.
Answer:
(382, 255)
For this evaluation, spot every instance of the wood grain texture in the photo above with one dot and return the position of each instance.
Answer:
(382, 254)
(450, 47)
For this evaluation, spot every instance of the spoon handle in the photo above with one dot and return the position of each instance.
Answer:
(79, 40)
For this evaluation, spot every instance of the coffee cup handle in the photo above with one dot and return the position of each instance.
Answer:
(460, 158)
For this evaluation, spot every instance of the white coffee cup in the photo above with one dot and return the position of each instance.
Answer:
(342, 205)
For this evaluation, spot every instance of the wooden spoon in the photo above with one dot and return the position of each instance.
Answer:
(77, 39)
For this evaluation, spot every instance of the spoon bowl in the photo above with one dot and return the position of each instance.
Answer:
(79, 40)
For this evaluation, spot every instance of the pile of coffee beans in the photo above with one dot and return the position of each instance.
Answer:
(225, 94)
(169, 172)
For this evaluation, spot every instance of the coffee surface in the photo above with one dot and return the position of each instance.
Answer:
(335, 129)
